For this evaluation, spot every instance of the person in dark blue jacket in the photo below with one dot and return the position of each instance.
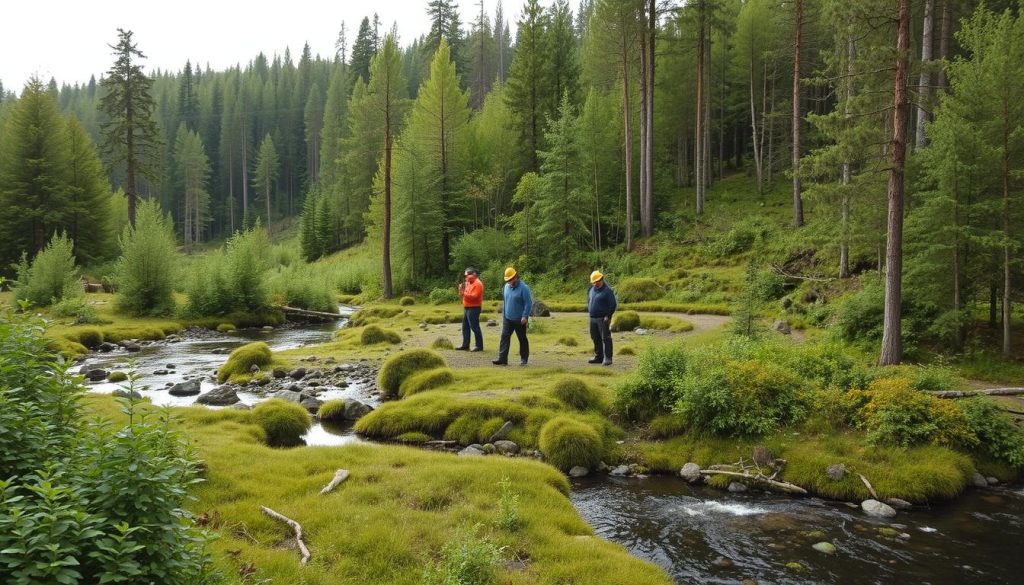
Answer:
(601, 305)
(516, 315)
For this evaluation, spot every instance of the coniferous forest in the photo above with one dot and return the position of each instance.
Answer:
(846, 176)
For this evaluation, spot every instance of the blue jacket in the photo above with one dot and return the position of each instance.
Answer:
(518, 301)
(601, 303)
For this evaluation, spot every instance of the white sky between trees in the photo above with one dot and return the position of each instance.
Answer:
(68, 39)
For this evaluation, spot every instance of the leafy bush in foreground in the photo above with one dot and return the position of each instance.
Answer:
(896, 414)
(51, 276)
(576, 393)
(999, 436)
(649, 390)
(374, 334)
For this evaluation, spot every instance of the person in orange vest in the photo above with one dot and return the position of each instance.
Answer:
(472, 293)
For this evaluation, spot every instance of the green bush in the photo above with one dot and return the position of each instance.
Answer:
(465, 560)
(625, 321)
(78, 308)
(301, 285)
(896, 414)
(466, 429)
(373, 334)
(332, 411)
(426, 380)
(407, 301)
(51, 276)
(241, 360)
(88, 336)
(633, 290)
(283, 422)
(568, 341)
(402, 365)
(480, 248)
(365, 316)
(116, 377)
(146, 269)
(995, 429)
(649, 391)
(414, 438)
(226, 328)
(233, 280)
(442, 343)
(444, 295)
(567, 443)
(666, 426)
(576, 393)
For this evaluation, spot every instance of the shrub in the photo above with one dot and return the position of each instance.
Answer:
(625, 321)
(729, 397)
(426, 380)
(896, 414)
(479, 248)
(634, 290)
(51, 276)
(116, 377)
(465, 560)
(283, 422)
(666, 426)
(567, 443)
(443, 295)
(332, 411)
(89, 337)
(402, 365)
(442, 343)
(508, 507)
(300, 285)
(78, 308)
(407, 301)
(648, 391)
(226, 328)
(996, 431)
(232, 280)
(568, 341)
(373, 334)
(576, 393)
(626, 350)
(146, 268)
(243, 358)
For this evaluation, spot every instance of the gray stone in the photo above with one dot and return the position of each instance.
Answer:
(297, 373)
(979, 480)
(106, 347)
(492, 323)
(836, 471)
(472, 451)
(578, 471)
(122, 393)
(96, 375)
(160, 372)
(220, 396)
(171, 366)
(737, 487)
(190, 388)
(782, 327)
(877, 509)
(311, 404)
(620, 471)
(506, 447)
(254, 368)
(825, 547)
(278, 373)
(540, 309)
(640, 331)
(899, 504)
(296, 397)
(132, 347)
(991, 480)
(241, 406)
(502, 432)
(690, 472)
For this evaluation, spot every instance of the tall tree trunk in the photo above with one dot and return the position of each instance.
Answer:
(945, 37)
(844, 243)
(652, 27)
(266, 194)
(926, 79)
(643, 129)
(386, 236)
(770, 161)
(758, 170)
(231, 191)
(245, 173)
(798, 204)
(699, 130)
(707, 108)
(1007, 313)
(892, 342)
(627, 142)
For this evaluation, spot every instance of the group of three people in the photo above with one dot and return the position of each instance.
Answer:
(517, 309)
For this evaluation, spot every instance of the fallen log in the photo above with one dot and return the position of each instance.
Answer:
(311, 315)
(782, 485)
(985, 392)
(295, 526)
(868, 485)
(339, 476)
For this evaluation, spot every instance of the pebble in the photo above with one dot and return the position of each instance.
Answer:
(824, 547)
(722, 562)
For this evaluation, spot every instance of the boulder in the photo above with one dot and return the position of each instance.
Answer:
(355, 410)
(132, 347)
(220, 396)
(502, 432)
(620, 471)
(540, 309)
(992, 480)
(782, 327)
(472, 451)
(278, 373)
(160, 372)
(836, 471)
(297, 373)
(737, 487)
(578, 471)
(506, 447)
(106, 347)
(296, 397)
(254, 368)
(877, 509)
(189, 388)
(825, 547)
(122, 393)
(979, 480)
(899, 504)
(311, 404)
(690, 472)
(96, 375)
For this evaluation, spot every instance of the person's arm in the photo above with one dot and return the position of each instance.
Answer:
(613, 304)
(527, 303)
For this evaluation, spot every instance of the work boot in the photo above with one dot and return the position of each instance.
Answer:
(595, 360)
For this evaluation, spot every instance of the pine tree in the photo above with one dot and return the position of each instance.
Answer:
(188, 101)
(482, 53)
(130, 134)
(527, 91)
(444, 24)
(87, 219)
(363, 50)
(194, 168)
(265, 173)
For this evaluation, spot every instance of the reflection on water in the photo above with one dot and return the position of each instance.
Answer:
(330, 435)
(700, 535)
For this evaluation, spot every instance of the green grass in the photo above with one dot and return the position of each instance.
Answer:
(392, 517)
(403, 365)
(242, 359)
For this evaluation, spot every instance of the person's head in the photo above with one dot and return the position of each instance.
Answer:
(511, 276)
(471, 274)
(597, 279)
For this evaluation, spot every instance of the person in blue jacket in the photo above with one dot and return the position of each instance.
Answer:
(516, 316)
(601, 305)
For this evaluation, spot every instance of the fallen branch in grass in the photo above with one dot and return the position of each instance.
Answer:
(782, 485)
(868, 484)
(339, 476)
(782, 272)
(295, 526)
(986, 392)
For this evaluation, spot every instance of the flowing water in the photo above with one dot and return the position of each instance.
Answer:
(699, 535)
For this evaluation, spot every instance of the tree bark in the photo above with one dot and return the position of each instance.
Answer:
(798, 204)
(758, 170)
(627, 141)
(699, 130)
(892, 342)
(945, 37)
(386, 236)
(844, 243)
(1007, 313)
(920, 140)
(643, 126)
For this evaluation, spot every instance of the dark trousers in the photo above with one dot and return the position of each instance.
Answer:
(602, 336)
(471, 321)
(507, 327)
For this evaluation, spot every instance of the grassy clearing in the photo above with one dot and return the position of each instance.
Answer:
(394, 515)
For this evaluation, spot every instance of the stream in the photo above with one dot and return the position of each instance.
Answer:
(697, 534)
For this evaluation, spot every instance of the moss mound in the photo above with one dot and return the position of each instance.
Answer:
(626, 350)
(567, 443)
(425, 380)
(567, 341)
(442, 343)
(117, 377)
(243, 359)
(283, 422)
(406, 301)
(89, 337)
(402, 365)
(576, 393)
(226, 327)
(625, 321)
(633, 290)
(413, 438)
(332, 411)
(374, 334)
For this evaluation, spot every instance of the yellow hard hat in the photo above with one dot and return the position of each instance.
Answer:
(510, 273)
(595, 276)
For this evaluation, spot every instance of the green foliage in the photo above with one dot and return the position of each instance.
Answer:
(283, 422)
(193, 168)
(444, 295)
(77, 308)
(466, 560)
(88, 336)
(648, 391)
(300, 285)
(626, 350)
(567, 443)
(146, 268)
(625, 321)
(633, 290)
(896, 414)
(332, 411)
(407, 301)
(52, 276)
(576, 393)
(508, 507)
(404, 364)
(226, 327)
(741, 237)
(481, 248)
(116, 377)
(373, 334)
(996, 431)
(243, 358)
(426, 380)
(666, 426)
(234, 280)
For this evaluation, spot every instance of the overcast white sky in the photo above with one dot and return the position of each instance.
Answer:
(68, 39)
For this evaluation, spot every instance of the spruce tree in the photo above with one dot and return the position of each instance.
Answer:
(87, 219)
(527, 91)
(265, 173)
(363, 50)
(193, 166)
